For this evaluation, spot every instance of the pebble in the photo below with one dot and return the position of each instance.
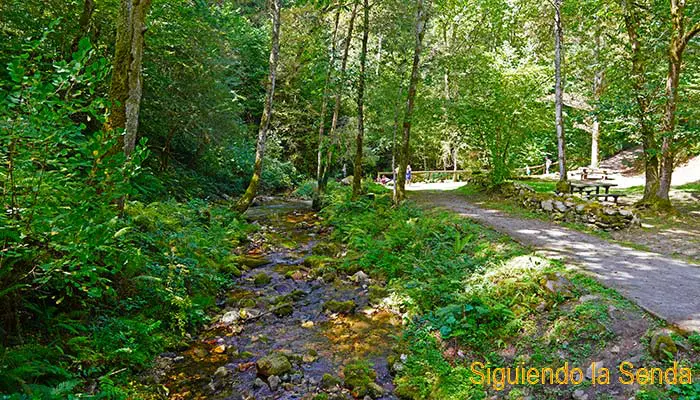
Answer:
(258, 383)
(221, 372)
(580, 395)
(307, 324)
(274, 382)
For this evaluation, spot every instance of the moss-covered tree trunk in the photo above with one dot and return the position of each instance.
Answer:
(325, 170)
(679, 40)
(598, 86)
(127, 84)
(324, 105)
(247, 198)
(559, 94)
(421, 21)
(357, 173)
(639, 83)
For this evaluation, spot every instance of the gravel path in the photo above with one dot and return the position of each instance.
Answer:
(665, 287)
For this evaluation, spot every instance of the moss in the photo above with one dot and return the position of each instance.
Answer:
(262, 279)
(327, 249)
(316, 261)
(662, 347)
(359, 378)
(563, 187)
(328, 381)
(339, 307)
(284, 310)
(377, 294)
(250, 261)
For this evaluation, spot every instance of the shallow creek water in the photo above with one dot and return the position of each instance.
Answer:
(252, 324)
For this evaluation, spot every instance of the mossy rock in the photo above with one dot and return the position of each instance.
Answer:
(377, 294)
(405, 390)
(251, 261)
(273, 364)
(316, 262)
(229, 268)
(339, 307)
(262, 279)
(283, 310)
(321, 396)
(329, 381)
(327, 249)
(359, 378)
(662, 346)
(247, 303)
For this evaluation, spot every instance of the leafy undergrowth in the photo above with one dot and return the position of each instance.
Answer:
(156, 273)
(471, 295)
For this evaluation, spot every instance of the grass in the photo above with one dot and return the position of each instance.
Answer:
(685, 217)
(471, 294)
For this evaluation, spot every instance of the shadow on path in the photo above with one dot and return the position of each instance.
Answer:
(663, 286)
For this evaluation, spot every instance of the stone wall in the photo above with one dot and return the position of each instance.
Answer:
(570, 208)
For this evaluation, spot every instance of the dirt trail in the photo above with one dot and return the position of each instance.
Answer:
(277, 307)
(665, 287)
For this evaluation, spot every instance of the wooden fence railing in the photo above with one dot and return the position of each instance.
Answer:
(430, 175)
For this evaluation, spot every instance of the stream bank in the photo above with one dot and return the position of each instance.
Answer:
(291, 327)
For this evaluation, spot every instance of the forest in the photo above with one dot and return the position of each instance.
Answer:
(252, 186)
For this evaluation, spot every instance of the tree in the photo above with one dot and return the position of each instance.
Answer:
(559, 94)
(679, 41)
(598, 85)
(325, 169)
(84, 23)
(127, 84)
(245, 201)
(405, 151)
(357, 173)
(639, 83)
(324, 104)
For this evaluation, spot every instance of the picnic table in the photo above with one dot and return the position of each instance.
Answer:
(588, 187)
(581, 187)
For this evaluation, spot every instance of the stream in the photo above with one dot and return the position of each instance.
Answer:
(275, 337)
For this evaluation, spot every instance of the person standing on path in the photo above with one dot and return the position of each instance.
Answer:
(547, 165)
(408, 174)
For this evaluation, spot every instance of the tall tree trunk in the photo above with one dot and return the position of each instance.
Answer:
(127, 85)
(649, 144)
(679, 40)
(396, 129)
(84, 23)
(357, 173)
(598, 84)
(325, 170)
(316, 204)
(421, 21)
(559, 89)
(245, 201)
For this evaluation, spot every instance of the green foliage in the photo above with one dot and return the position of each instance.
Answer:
(463, 287)
(116, 289)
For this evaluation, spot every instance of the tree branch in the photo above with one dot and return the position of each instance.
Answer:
(694, 30)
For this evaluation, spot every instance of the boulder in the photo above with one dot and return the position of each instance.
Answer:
(273, 364)
(339, 307)
(360, 278)
(560, 206)
(274, 382)
(547, 205)
(662, 346)
(230, 317)
(558, 285)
